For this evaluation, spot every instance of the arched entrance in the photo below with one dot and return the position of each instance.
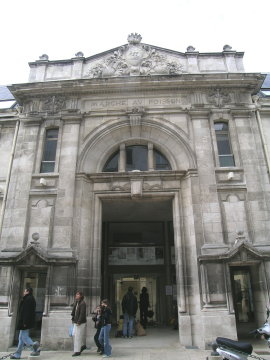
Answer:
(138, 250)
(128, 206)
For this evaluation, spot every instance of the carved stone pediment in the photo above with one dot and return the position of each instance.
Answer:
(136, 59)
(242, 252)
(32, 256)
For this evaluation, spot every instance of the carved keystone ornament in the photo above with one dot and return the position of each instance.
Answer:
(135, 59)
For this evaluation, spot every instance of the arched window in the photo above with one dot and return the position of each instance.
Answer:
(137, 157)
(112, 164)
(49, 151)
(225, 154)
(161, 163)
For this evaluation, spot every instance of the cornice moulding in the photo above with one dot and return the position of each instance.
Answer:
(249, 81)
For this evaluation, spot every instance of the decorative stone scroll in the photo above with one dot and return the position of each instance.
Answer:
(135, 59)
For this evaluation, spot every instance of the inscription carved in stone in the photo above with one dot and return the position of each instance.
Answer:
(135, 59)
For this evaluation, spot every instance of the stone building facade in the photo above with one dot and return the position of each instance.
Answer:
(138, 166)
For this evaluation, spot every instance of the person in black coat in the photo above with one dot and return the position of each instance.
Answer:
(106, 324)
(26, 321)
(129, 308)
(98, 324)
(144, 305)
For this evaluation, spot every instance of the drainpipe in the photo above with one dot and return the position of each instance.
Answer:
(255, 99)
(9, 174)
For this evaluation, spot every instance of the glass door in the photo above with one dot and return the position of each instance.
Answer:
(37, 281)
(243, 299)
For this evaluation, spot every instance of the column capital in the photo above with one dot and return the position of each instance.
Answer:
(241, 113)
(198, 114)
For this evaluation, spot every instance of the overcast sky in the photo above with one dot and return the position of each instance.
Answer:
(61, 28)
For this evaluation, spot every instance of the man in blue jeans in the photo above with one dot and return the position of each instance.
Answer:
(26, 321)
(129, 307)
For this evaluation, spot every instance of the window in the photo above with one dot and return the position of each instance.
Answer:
(136, 157)
(49, 151)
(161, 163)
(226, 157)
(112, 164)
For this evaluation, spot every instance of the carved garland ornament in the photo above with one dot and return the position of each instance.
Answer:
(135, 59)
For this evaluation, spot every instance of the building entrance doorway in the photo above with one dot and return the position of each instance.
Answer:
(243, 298)
(138, 251)
(37, 281)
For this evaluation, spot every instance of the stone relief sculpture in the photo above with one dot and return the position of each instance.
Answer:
(54, 103)
(218, 97)
(135, 59)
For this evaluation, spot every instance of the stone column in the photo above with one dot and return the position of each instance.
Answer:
(14, 234)
(255, 169)
(122, 158)
(209, 211)
(185, 336)
(83, 232)
(95, 253)
(64, 206)
(192, 60)
(150, 157)
(167, 258)
(77, 67)
(230, 60)
(38, 72)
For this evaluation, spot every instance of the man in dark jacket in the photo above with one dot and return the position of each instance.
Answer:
(79, 320)
(26, 321)
(129, 307)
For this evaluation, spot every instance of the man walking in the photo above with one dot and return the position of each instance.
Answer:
(79, 320)
(129, 307)
(26, 321)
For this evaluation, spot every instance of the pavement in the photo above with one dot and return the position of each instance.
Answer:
(157, 345)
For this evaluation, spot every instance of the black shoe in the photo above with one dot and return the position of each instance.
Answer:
(83, 348)
(35, 346)
(76, 354)
(13, 357)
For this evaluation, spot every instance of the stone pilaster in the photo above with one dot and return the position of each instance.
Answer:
(254, 165)
(64, 208)
(208, 208)
(16, 211)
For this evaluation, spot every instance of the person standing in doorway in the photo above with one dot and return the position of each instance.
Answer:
(26, 321)
(129, 307)
(144, 305)
(106, 324)
(79, 320)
